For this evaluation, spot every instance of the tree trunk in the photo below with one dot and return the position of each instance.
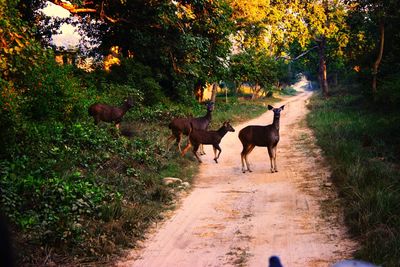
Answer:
(237, 87)
(256, 89)
(335, 79)
(199, 91)
(214, 93)
(379, 58)
(322, 72)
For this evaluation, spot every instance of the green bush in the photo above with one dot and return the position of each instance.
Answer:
(389, 93)
(52, 93)
(140, 77)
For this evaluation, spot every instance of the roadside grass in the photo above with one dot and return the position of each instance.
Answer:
(362, 145)
(288, 91)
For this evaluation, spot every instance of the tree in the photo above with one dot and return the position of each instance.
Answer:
(256, 68)
(184, 42)
(282, 24)
(370, 19)
(324, 23)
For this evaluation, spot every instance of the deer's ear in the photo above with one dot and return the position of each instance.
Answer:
(282, 107)
(270, 107)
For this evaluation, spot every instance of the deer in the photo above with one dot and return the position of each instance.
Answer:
(107, 113)
(181, 126)
(198, 137)
(263, 136)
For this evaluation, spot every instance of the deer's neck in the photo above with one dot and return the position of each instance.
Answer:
(275, 122)
(125, 107)
(208, 115)
(222, 131)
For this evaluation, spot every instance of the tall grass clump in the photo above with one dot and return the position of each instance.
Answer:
(362, 145)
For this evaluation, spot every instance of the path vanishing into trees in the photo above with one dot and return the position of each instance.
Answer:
(235, 219)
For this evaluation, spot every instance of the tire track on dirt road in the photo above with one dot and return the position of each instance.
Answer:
(236, 219)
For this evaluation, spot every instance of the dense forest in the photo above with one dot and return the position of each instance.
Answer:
(73, 191)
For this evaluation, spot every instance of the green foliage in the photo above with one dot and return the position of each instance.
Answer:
(43, 188)
(389, 93)
(364, 158)
(257, 68)
(138, 77)
(53, 93)
(288, 91)
(47, 92)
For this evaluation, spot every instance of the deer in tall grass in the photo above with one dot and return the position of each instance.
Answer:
(107, 113)
(182, 126)
(202, 137)
(263, 136)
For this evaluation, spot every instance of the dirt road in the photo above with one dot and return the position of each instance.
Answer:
(236, 219)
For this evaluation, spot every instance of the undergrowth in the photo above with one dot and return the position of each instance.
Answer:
(362, 144)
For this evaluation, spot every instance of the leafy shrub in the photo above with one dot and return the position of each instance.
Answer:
(288, 91)
(136, 75)
(114, 94)
(52, 93)
(389, 92)
(50, 208)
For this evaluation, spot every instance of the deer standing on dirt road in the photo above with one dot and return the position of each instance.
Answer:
(264, 136)
(202, 137)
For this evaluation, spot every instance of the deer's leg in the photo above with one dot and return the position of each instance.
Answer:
(274, 153)
(271, 156)
(242, 159)
(202, 150)
(246, 151)
(195, 148)
(175, 135)
(247, 161)
(179, 140)
(216, 147)
(185, 149)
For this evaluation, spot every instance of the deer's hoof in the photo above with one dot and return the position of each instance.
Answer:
(216, 161)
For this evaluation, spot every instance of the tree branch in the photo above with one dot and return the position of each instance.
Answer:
(299, 56)
(72, 8)
(75, 9)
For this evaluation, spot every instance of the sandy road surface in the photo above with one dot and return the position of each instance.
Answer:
(236, 219)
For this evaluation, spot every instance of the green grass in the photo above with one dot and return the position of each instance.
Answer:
(288, 91)
(362, 144)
